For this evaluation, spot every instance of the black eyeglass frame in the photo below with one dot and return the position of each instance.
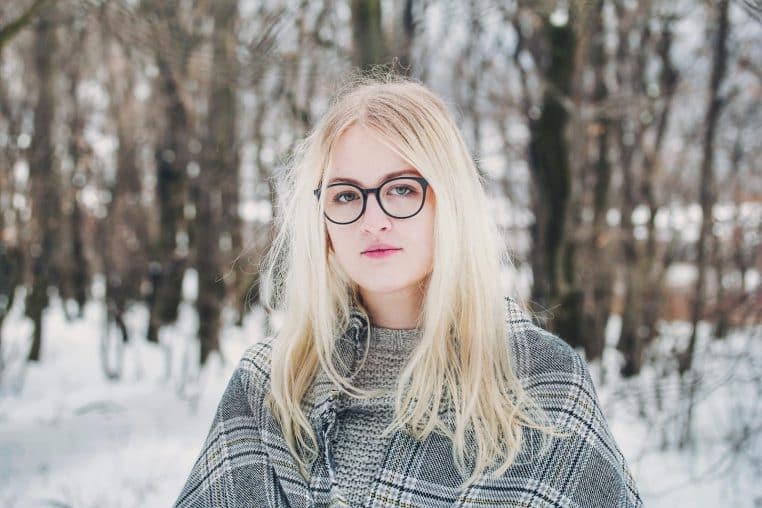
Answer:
(376, 190)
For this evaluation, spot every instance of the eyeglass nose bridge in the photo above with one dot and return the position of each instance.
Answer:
(377, 193)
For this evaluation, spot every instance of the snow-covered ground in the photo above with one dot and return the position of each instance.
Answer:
(70, 437)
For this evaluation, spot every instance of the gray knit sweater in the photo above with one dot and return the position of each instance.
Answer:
(359, 447)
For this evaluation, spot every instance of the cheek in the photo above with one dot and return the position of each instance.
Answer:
(337, 239)
(328, 238)
(429, 225)
(428, 234)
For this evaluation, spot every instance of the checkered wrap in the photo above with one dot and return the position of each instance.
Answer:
(245, 461)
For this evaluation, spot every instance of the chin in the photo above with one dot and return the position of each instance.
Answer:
(379, 288)
(384, 286)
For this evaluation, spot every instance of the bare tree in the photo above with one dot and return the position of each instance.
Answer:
(13, 27)
(707, 199)
(217, 205)
(553, 262)
(174, 45)
(708, 191)
(598, 288)
(75, 271)
(123, 233)
(45, 200)
(370, 45)
(630, 132)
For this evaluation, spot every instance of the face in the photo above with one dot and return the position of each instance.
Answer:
(360, 159)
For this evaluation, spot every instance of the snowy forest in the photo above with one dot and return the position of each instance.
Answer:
(140, 147)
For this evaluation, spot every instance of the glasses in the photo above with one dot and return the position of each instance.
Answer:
(400, 197)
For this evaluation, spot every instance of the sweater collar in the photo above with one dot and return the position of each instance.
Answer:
(321, 402)
(324, 392)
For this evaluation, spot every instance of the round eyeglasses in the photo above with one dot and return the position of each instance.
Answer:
(400, 197)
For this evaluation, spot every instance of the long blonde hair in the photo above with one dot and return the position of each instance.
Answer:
(462, 361)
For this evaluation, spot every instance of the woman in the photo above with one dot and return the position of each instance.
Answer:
(401, 375)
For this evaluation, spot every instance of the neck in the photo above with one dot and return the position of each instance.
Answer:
(399, 309)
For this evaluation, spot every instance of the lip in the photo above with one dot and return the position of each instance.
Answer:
(380, 250)
(379, 247)
(381, 253)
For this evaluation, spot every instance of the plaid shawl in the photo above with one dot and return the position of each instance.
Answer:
(245, 461)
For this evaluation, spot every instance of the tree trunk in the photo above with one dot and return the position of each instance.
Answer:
(75, 276)
(11, 262)
(11, 29)
(171, 157)
(553, 258)
(217, 181)
(223, 142)
(404, 44)
(599, 290)
(11, 258)
(43, 180)
(707, 197)
(631, 78)
(368, 36)
(653, 271)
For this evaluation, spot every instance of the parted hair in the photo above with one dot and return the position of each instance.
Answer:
(462, 361)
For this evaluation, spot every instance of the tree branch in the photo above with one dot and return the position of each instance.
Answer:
(11, 29)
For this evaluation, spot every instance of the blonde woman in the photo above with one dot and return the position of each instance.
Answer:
(402, 374)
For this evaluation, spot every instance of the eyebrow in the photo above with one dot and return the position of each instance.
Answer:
(402, 172)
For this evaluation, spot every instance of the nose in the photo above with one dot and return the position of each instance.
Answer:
(374, 218)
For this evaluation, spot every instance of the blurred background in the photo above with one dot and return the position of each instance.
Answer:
(140, 145)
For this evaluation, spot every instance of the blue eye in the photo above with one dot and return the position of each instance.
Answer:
(402, 190)
(345, 197)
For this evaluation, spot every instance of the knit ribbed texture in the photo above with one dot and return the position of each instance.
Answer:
(359, 447)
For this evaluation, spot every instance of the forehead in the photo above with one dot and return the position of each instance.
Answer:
(359, 156)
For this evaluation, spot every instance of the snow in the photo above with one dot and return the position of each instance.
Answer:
(720, 466)
(71, 437)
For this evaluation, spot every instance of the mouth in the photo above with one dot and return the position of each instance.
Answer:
(378, 253)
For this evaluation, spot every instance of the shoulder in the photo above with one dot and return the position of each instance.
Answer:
(557, 378)
(552, 372)
(540, 353)
(537, 352)
(254, 368)
(256, 358)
